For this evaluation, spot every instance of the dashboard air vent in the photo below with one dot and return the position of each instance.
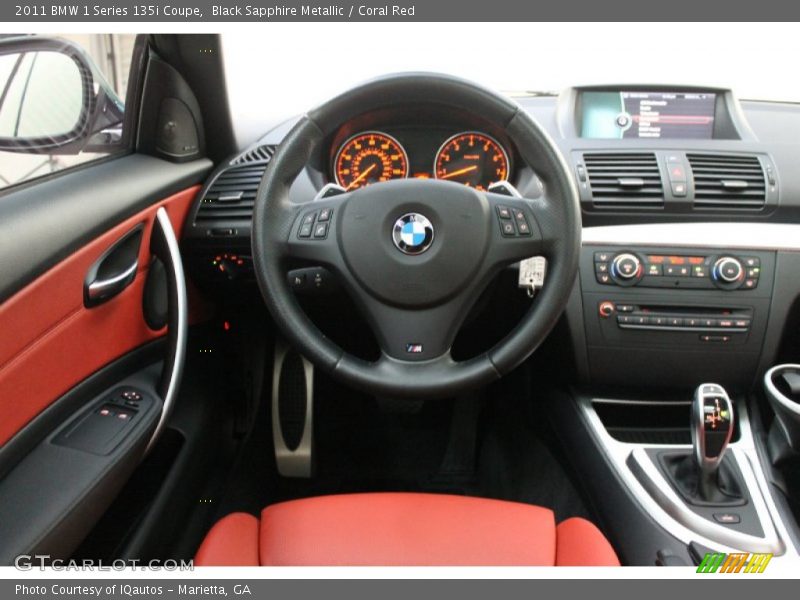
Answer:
(232, 194)
(624, 180)
(256, 154)
(728, 181)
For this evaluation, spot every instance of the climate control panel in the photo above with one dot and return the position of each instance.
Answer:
(725, 271)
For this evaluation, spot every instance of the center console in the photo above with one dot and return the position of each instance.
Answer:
(664, 309)
(674, 316)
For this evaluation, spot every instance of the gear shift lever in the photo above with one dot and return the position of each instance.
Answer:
(712, 428)
(702, 476)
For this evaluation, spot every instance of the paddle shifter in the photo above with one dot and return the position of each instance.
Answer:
(712, 428)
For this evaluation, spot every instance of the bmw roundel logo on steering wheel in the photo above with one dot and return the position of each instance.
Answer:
(412, 233)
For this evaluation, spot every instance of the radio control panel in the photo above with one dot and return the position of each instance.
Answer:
(724, 271)
(711, 324)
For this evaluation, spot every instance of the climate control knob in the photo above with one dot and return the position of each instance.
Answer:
(626, 268)
(728, 270)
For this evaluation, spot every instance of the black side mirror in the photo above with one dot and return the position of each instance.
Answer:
(51, 96)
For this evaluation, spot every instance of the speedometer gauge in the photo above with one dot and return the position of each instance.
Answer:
(472, 158)
(369, 157)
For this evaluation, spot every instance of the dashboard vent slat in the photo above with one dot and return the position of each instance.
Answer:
(261, 153)
(231, 195)
(728, 181)
(624, 180)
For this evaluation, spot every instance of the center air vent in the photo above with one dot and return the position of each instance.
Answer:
(624, 180)
(231, 196)
(728, 181)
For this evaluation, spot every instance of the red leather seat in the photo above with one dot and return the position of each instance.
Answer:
(403, 529)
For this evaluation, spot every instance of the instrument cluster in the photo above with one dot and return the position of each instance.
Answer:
(472, 157)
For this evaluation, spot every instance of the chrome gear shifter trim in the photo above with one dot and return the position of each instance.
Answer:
(657, 497)
(712, 415)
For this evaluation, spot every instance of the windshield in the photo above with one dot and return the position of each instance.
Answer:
(278, 70)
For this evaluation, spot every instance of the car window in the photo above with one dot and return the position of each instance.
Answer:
(38, 98)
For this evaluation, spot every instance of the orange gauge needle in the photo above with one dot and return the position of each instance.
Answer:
(459, 172)
(360, 177)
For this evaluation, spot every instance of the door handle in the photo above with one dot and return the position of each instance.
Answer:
(115, 269)
(101, 289)
(164, 245)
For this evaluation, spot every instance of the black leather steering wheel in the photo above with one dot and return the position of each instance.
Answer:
(416, 282)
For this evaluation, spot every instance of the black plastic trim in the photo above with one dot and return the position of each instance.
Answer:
(13, 451)
(57, 493)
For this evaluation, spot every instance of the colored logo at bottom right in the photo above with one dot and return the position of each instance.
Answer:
(741, 562)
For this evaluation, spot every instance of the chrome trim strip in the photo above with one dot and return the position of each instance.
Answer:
(679, 521)
(100, 287)
(674, 505)
(620, 401)
(732, 236)
(182, 326)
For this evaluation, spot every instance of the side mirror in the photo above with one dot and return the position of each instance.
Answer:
(50, 96)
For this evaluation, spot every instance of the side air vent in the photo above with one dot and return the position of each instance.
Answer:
(624, 180)
(256, 154)
(728, 181)
(231, 196)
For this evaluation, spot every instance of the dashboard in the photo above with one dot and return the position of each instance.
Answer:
(682, 189)
(689, 269)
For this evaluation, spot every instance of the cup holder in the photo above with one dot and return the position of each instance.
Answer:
(782, 387)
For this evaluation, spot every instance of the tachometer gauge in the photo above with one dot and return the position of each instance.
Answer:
(369, 157)
(471, 158)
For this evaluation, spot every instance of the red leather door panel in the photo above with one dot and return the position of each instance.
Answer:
(49, 341)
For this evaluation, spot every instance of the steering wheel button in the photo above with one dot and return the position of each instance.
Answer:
(309, 219)
(321, 230)
(305, 230)
(504, 212)
(523, 228)
(325, 215)
(507, 228)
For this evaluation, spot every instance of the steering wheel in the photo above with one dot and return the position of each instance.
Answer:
(415, 254)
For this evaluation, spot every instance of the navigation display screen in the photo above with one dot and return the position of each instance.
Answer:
(647, 115)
